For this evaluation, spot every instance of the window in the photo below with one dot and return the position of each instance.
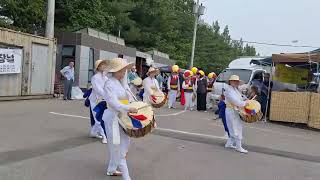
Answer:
(68, 54)
(244, 75)
(258, 76)
(91, 65)
(68, 51)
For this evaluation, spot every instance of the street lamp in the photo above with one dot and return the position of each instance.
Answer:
(198, 10)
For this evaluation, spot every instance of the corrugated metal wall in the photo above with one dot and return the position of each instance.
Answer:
(37, 66)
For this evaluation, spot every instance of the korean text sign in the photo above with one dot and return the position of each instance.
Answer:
(10, 61)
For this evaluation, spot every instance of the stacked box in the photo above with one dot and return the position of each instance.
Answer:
(290, 107)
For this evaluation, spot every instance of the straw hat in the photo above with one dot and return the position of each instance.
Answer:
(137, 81)
(152, 69)
(118, 64)
(234, 78)
(98, 62)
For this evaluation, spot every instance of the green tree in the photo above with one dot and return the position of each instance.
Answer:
(73, 15)
(225, 35)
(23, 15)
(164, 25)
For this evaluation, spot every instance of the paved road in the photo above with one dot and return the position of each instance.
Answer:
(47, 139)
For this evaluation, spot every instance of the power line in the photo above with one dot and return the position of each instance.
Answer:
(271, 44)
(280, 45)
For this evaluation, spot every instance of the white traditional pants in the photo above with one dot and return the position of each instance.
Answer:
(172, 98)
(117, 152)
(188, 98)
(96, 128)
(194, 103)
(209, 101)
(234, 124)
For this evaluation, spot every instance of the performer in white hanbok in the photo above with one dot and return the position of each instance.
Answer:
(234, 100)
(117, 95)
(173, 87)
(96, 96)
(150, 85)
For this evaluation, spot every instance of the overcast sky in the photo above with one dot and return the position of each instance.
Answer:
(271, 21)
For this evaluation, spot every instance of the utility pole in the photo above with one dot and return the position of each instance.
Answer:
(198, 10)
(50, 19)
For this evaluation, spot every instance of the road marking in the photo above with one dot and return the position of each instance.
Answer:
(69, 115)
(266, 130)
(19, 155)
(190, 133)
(161, 129)
(174, 114)
(214, 124)
(206, 139)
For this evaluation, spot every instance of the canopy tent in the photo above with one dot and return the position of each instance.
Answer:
(262, 62)
(296, 58)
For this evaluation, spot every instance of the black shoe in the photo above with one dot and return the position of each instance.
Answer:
(64, 99)
(70, 99)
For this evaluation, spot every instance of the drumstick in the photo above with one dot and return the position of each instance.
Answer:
(143, 107)
(254, 97)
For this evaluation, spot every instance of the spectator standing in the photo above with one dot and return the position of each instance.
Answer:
(132, 74)
(202, 85)
(160, 80)
(68, 73)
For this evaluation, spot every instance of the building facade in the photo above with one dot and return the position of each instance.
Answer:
(86, 46)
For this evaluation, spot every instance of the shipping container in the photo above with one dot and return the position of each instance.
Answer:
(27, 65)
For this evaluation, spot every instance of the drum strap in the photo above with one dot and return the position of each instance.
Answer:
(115, 125)
(124, 101)
(231, 106)
(116, 131)
(133, 96)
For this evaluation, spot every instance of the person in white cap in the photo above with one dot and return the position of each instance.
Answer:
(118, 96)
(150, 84)
(233, 100)
(97, 81)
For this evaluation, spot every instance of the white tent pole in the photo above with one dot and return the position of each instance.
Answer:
(268, 96)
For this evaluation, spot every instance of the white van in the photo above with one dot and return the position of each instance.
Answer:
(244, 69)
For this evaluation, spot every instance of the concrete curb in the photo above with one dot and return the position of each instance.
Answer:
(207, 139)
(15, 98)
(24, 154)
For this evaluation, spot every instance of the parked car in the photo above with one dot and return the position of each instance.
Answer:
(247, 72)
